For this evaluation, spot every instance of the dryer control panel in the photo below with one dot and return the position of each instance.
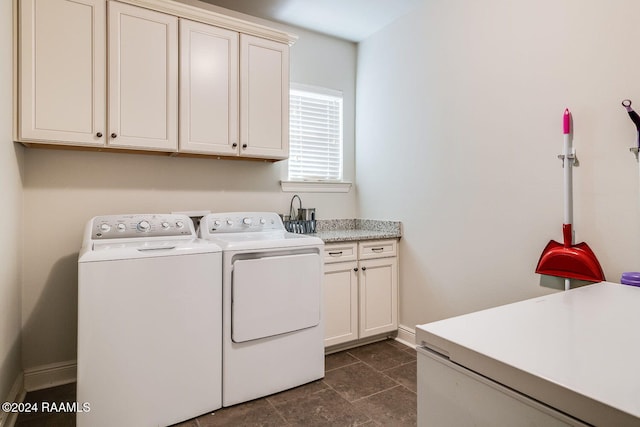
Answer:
(241, 222)
(132, 226)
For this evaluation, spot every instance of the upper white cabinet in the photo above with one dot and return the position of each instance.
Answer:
(234, 93)
(151, 75)
(208, 89)
(62, 73)
(264, 98)
(143, 78)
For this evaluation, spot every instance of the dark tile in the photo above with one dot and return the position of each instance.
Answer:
(338, 360)
(322, 408)
(354, 393)
(410, 350)
(395, 407)
(189, 423)
(53, 395)
(255, 413)
(381, 355)
(297, 393)
(49, 420)
(61, 393)
(404, 375)
(396, 344)
(356, 381)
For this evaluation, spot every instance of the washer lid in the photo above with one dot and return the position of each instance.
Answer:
(113, 250)
(576, 351)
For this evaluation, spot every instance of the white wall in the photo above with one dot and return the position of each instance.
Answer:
(458, 128)
(64, 189)
(10, 214)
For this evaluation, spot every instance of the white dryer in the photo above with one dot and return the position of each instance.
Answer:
(273, 336)
(149, 322)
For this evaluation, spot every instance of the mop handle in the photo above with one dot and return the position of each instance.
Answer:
(567, 228)
(568, 168)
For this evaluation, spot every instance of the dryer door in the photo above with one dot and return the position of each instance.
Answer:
(275, 295)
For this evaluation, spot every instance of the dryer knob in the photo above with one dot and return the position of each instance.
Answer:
(143, 226)
(229, 222)
(105, 227)
(247, 221)
(165, 225)
(217, 223)
(263, 221)
(179, 224)
(121, 227)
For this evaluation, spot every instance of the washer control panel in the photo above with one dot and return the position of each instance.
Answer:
(238, 222)
(132, 226)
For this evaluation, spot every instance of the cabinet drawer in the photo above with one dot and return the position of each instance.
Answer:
(377, 249)
(340, 252)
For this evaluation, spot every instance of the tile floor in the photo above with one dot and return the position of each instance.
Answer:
(370, 385)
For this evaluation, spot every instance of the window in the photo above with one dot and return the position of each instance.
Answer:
(315, 134)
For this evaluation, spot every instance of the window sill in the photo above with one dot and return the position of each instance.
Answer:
(315, 186)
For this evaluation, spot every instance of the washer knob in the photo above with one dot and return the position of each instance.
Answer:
(229, 222)
(121, 227)
(247, 221)
(164, 225)
(143, 226)
(105, 227)
(179, 224)
(263, 221)
(217, 223)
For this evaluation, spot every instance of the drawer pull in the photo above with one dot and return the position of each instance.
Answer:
(364, 268)
(335, 253)
(355, 269)
(377, 250)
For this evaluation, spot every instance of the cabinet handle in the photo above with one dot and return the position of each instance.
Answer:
(335, 253)
(114, 135)
(355, 269)
(364, 268)
(244, 146)
(99, 134)
(377, 250)
(234, 145)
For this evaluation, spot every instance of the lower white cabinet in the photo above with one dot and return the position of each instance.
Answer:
(360, 290)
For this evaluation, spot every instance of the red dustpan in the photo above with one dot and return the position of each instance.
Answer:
(568, 260)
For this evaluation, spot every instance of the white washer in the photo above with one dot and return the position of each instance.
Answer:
(149, 322)
(272, 312)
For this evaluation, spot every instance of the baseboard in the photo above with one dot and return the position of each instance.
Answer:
(52, 375)
(16, 395)
(406, 336)
(357, 343)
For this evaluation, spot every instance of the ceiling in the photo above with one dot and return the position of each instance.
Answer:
(352, 20)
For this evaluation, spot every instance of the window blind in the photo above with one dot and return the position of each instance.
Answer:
(315, 134)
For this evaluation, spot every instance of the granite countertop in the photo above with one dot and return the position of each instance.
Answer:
(348, 230)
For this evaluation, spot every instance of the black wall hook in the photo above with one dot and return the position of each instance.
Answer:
(635, 118)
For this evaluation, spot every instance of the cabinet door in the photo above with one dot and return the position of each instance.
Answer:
(208, 89)
(378, 296)
(62, 73)
(340, 303)
(264, 98)
(143, 78)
